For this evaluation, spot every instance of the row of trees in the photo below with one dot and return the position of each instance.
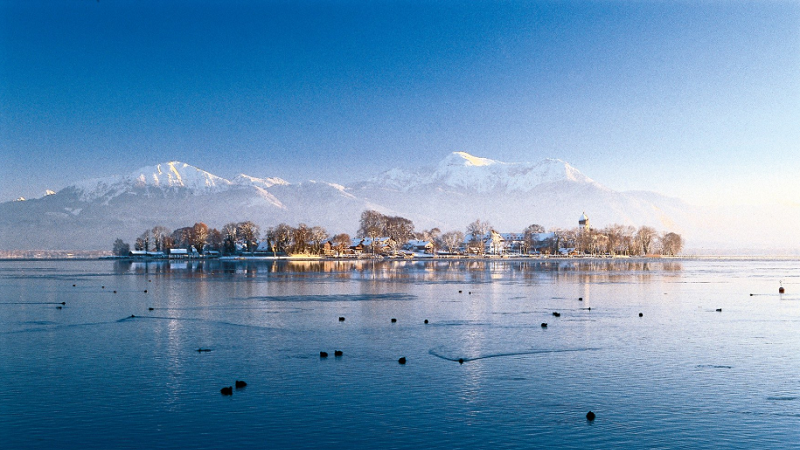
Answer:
(618, 240)
(479, 238)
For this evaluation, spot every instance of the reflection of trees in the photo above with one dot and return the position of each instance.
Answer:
(461, 270)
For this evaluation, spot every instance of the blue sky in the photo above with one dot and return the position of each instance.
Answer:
(699, 100)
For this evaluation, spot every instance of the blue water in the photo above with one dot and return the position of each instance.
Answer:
(90, 376)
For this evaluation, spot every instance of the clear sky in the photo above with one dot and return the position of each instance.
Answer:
(699, 100)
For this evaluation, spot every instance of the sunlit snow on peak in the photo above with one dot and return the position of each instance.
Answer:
(477, 161)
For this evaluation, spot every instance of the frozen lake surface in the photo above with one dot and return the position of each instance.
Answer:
(118, 366)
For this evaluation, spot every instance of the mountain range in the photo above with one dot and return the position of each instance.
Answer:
(90, 214)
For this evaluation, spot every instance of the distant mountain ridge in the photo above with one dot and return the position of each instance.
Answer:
(90, 214)
(461, 170)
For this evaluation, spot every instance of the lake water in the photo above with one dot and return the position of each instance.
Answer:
(89, 375)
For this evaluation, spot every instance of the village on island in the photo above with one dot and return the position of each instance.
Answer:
(381, 236)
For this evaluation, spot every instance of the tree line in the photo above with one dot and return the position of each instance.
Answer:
(479, 238)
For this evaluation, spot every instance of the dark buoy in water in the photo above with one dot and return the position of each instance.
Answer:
(641, 315)
(426, 321)
(544, 325)
(150, 309)
(338, 353)
(102, 287)
(394, 320)
(470, 292)
(458, 291)
(719, 309)
(323, 354)
(115, 292)
(226, 390)
(590, 416)
(402, 360)
(556, 314)
(781, 290)
(145, 291)
(341, 319)
(461, 360)
(73, 285)
(580, 299)
(240, 384)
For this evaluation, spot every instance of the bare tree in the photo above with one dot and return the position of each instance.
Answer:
(400, 229)
(644, 239)
(215, 239)
(301, 236)
(230, 233)
(248, 233)
(161, 238)
(476, 233)
(671, 244)
(318, 236)
(341, 242)
(530, 235)
(452, 241)
(371, 225)
(144, 241)
(198, 236)
(280, 238)
(181, 237)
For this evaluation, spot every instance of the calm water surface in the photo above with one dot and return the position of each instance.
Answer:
(107, 371)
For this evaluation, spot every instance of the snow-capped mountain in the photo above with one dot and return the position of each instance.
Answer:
(450, 194)
(462, 171)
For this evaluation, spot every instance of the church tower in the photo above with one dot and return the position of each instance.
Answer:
(583, 222)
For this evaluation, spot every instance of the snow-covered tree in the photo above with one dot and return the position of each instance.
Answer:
(452, 241)
(644, 239)
(477, 236)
